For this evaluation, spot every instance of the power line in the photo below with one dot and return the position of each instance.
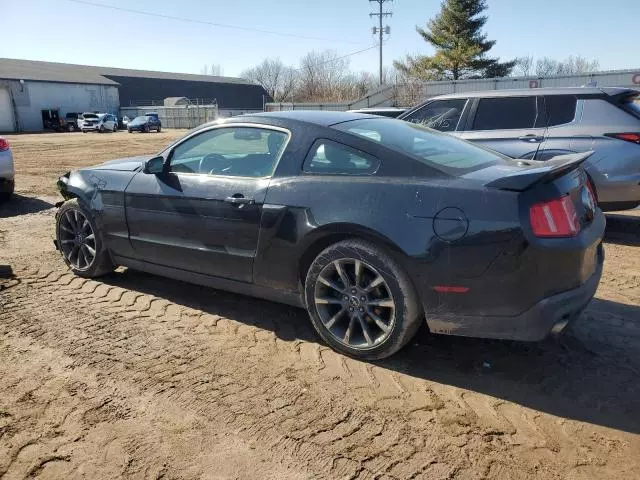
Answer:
(205, 22)
(340, 58)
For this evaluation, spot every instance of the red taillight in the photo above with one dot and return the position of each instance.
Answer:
(627, 137)
(555, 218)
(4, 145)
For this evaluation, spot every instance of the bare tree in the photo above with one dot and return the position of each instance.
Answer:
(569, 66)
(324, 77)
(523, 67)
(214, 69)
(409, 90)
(275, 77)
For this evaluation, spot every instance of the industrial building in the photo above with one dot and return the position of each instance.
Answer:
(33, 92)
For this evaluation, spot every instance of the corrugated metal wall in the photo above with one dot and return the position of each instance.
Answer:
(621, 78)
(31, 98)
(386, 95)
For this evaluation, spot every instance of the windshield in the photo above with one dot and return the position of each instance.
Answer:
(439, 150)
(90, 116)
(141, 119)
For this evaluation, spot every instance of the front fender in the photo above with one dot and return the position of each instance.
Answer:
(102, 192)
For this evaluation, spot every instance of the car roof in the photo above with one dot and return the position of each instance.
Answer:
(537, 91)
(324, 118)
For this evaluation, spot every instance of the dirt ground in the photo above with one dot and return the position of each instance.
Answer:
(136, 376)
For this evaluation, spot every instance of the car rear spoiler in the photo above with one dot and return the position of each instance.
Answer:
(540, 173)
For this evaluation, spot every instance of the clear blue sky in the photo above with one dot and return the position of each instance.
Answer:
(65, 31)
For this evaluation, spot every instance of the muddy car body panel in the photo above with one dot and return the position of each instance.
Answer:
(463, 235)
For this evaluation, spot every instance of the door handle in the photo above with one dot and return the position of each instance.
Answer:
(531, 138)
(239, 200)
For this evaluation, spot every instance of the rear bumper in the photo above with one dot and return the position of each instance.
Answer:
(550, 314)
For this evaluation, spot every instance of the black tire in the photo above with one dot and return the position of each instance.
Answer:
(146, 129)
(408, 312)
(130, 131)
(71, 127)
(102, 263)
(6, 196)
(101, 129)
(159, 129)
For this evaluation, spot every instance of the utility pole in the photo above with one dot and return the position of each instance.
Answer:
(380, 14)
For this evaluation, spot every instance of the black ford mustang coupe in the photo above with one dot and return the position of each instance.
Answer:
(373, 225)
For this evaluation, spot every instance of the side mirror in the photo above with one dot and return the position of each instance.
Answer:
(154, 166)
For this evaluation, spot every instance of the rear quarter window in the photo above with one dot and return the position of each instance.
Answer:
(331, 158)
(560, 109)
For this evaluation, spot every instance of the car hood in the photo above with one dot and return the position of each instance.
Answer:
(129, 164)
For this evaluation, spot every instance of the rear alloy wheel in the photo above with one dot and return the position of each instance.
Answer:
(360, 300)
(146, 129)
(80, 241)
(71, 127)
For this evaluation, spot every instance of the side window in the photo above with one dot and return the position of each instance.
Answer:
(442, 115)
(505, 113)
(230, 151)
(331, 158)
(560, 109)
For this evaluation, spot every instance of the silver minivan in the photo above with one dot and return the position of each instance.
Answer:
(538, 124)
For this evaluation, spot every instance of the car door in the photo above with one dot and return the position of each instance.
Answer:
(513, 126)
(563, 133)
(446, 115)
(202, 213)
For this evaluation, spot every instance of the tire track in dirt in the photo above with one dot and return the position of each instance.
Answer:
(309, 405)
(59, 421)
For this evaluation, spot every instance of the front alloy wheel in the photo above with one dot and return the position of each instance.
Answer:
(80, 241)
(354, 303)
(77, 240)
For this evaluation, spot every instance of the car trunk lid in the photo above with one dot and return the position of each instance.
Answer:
(521, 175)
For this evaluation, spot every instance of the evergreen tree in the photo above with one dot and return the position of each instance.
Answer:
(456, 34)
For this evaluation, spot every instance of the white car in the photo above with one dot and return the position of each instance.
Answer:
(99, 122)
(7, 171)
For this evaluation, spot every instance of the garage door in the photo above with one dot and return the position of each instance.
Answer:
(6, 112)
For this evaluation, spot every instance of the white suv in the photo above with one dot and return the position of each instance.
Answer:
(99, 122)
(7, 171)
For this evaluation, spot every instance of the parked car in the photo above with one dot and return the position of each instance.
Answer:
(370, 223)
(101, 122)
(89, 121)
(7, 170)
(391, 112)
(144, 123)
(544, 122)
(71, 121)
